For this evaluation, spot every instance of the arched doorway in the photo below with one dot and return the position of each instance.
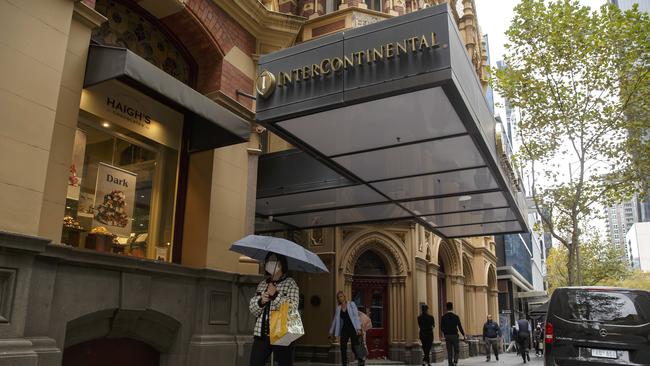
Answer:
(111, 352)
(370, 294)
(493, 291)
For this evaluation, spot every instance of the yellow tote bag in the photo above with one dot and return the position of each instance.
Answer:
(285, 326)
(278, 322)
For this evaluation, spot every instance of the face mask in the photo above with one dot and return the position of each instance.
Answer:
(272, 267)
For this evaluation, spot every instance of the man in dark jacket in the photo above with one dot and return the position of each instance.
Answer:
(491, 334)
(523, 337)
(450, 325)
(426, 324)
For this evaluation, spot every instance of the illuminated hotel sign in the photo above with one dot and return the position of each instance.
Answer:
(267, 81)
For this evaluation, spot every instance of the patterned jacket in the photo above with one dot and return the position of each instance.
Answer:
(287, 291)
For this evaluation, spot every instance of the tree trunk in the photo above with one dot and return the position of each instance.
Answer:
(570, 263)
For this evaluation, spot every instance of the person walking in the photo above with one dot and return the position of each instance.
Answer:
(491, 334)
(450, 326)
(347, 326)
(523, 337)
(538, 338)
(273, 291)
(426, 324)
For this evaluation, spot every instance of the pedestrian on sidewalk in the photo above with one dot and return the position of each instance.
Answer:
(347, 326)
(426, 324)
(272, 292)
(491, 335)
(538, 338)
(450, 325)
(524, 331)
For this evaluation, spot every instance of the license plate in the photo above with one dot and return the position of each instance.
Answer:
(604, 353)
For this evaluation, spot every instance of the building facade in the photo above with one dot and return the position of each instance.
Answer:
(638, 246)
(135, 156)
(619, 219)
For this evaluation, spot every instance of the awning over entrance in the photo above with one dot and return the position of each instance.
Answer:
(210, 125)
(395, 109)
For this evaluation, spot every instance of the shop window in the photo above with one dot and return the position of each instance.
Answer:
(121, 191)
(131, 28)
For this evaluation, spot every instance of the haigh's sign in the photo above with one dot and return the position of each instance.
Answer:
(267, 82)
(128, 112)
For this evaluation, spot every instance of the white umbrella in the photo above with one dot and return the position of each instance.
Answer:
(298, 258)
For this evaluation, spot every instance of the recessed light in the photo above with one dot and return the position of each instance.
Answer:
(464, 198)
(106, 124)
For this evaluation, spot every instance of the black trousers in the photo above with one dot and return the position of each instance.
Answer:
(349, 335)
(523, 340)
(427, 342)
(262, 349)
(453, 347)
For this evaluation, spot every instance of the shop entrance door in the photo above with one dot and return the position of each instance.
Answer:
(371, 297)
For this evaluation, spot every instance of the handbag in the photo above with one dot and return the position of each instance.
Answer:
(360, 350)
(285, 326)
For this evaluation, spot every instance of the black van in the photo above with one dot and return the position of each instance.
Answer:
(597, 326)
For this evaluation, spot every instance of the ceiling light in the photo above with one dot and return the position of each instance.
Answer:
(464, 198)
(106, 124)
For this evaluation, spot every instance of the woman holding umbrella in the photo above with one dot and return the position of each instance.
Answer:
(279, 256)
(274, 290)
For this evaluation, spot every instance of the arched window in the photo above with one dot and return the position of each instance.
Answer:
(370, 264)
(130, 28)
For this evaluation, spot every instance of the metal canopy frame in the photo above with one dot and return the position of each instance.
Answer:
(331, 120)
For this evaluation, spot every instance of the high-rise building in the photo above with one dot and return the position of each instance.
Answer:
(620, 218)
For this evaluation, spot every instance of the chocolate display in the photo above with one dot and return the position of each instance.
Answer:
(113, 210)
(70, 223)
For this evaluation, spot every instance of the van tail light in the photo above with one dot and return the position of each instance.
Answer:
(548, 338)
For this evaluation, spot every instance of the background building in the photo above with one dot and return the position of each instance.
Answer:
(620, 219)
(638, 246)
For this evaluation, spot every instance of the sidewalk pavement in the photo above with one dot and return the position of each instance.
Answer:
(506, 359)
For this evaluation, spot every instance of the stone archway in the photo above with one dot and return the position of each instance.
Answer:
(450, 280)
(145, 333)
(387, 249)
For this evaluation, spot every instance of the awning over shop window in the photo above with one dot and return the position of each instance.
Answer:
(210, 125)
(407, 129)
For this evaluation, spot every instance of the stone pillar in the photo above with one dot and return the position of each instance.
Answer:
(432, 297)
(457, 295)
(481, 303)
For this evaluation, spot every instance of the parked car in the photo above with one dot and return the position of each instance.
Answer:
(598, 326)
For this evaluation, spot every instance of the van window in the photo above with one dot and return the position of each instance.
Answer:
(604, 306)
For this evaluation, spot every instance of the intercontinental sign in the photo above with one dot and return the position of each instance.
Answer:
(267, 82)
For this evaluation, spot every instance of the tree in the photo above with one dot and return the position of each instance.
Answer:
(602, 264)
(581, 81)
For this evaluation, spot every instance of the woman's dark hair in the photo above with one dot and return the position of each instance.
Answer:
(282, 259)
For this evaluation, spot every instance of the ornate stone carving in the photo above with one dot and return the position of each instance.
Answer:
(360, 19)
(387, 251)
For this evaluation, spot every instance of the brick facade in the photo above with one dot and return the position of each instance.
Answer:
(209, 33)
